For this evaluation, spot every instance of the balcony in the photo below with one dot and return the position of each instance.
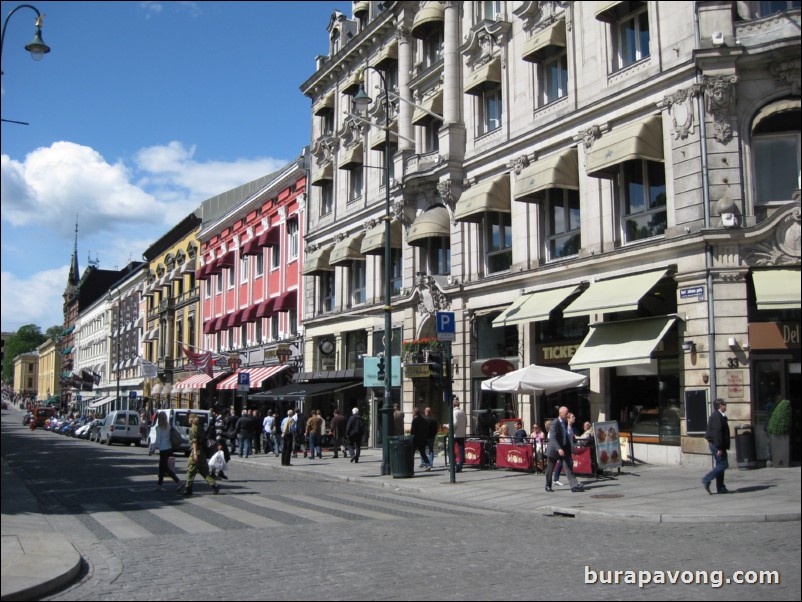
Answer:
(188, 298)
(167, 305)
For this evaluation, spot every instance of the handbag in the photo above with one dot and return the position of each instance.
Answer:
(175, 438)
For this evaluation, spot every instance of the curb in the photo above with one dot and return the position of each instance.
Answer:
(31, 565)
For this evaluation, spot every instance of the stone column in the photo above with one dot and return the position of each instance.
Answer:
(404, 72)
(452, 86)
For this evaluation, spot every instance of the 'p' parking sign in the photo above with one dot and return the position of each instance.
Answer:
(446, 324)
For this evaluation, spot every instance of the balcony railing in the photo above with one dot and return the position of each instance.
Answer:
(187, 298)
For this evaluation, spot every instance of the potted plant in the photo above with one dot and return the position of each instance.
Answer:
(779, 430)
(416, 350)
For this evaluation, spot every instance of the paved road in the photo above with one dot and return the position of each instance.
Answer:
(280, 535)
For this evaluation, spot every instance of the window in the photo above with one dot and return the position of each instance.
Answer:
(243, 269)
(433, 47)
(489, 111)
(327, 123)
(231, 277)
(257, 331)
(356, 346)
(292, 239)
(498, 237)
(219, 279)
(358, 278)
(561, 208)
(292, 322)
(397, 276)
(776, 156)
(393, 150)
(355, 183)
(259, 264)
(764, 9)
(275, 257)
(643, 196)
(231, 338)
(274, 331)
(431, 140)
(490, 10)
(631, 34)
(243, 335)
(327, 292)
(436, 255)
(326, 198)
(553, 76)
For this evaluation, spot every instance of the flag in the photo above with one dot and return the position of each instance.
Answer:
(149, 369)
(202, 361)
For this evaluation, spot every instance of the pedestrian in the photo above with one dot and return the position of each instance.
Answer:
(559, 448)
(277, 436)
(418, 431)
(300, 433)
(256, 430)
(198, 462)
(244, 436)
(398, 420)
(314, 430)
(431, 433)
(165, 446)
(460, 432)
(560, 463)
(718, 439)
(267, 429)
(287, 435)
(355, 430)
(338, 434)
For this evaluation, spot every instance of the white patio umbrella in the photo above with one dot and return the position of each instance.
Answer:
(534, 379)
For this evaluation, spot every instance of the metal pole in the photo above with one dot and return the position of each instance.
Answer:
(388, 293)
(445, 370)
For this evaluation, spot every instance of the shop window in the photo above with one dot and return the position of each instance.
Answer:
(561, 220)
(493, 341)
(498, 241)
(643, 199)
(356, 346)
(630, 33)
(776, 156)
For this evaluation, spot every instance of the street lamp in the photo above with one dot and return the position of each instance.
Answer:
(361, 102)
(36, 47)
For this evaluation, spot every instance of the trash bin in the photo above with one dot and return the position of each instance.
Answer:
(402, 457)
(745, 447)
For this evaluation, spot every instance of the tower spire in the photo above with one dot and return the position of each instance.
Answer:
(75, 275)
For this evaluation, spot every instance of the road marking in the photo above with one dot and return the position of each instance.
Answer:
(115, 522)
(182, 520)
(243, 516)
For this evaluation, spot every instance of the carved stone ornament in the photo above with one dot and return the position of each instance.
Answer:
(518, 164)
(323, 149)
(397, 211)
(680, 107)
(719, 99)
(787, 73)
(484, 42)
(588, 136)
(447, 195)
(351, 132)
(783, 247)
(430, 298)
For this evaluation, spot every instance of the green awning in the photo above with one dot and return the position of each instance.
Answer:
(351, 157)
(777, 289)
(323, 174)
(490, 195)
(621, 343)
(605, 11)
(66, 350)
(640, 140)
(614, 294)
(432, 223)
(388, 53)
(317, 262)
(324, 104)
(373, 243)
(430, 16)
(555, 171)
(68, 331)
(349, 249)
(534, 307)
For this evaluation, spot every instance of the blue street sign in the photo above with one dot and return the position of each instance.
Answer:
(446, 326)
(243, 381)
(132, 394)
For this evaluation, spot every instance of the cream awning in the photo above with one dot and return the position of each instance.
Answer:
(550, 37)
(432, 223)
(377, 136)
(318, 261)
(605, 11)
(388, 53)
(323, 175)
(490, 195)
(430, 16)
(614, 294)
(622, 343)
(640, 140)
(483, 78)
(777, 289)
(534, 307)
(433, 103)
(352, 83)
(324, 104)
(348, 249)
(351, 157)
(556, 171)
(373, 243)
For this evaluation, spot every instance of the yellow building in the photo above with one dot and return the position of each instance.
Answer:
(49, 370)
(25, 369)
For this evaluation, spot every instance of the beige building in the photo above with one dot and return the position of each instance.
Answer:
(26, 368)
(606, 187)
(48, 371)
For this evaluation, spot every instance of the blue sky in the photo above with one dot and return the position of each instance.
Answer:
(141, 111)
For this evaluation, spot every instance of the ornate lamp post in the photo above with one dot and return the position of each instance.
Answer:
(361, 102)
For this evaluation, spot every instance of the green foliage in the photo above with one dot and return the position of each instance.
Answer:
(25, 340)
(780, 419)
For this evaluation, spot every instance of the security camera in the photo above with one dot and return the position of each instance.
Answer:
(717, 38)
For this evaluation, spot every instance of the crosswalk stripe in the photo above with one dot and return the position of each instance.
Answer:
(182, 520)
(115, 522)
(344, 507)
(248, 518)
(304, 513)
(427, 512)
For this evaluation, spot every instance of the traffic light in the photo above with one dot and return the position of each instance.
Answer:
(381, 368)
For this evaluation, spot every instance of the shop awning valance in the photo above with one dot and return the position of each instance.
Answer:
(287, 301)
(373, 243)
(777, 289)
(302, 391)
(605, 11)
(378, 137)
(270, 237)
(349, 249)
(388, 53)
(433, 103)
(249, 314)
(484, 78)
(323, 175)
(431, 16)
(351, 157)
(324, 104)
(552, 37)
(257, 377)
(534, 307)
(99, 403)
(197, 381)
(352, 83)
(226, 261)
(432, 223)
(208, 327)
(555, 171)
(68, 331)
(621, 343)
(491, 195)
(318, 261)
(234, 319)
(265, 309)
(614, 294)
(639, 140)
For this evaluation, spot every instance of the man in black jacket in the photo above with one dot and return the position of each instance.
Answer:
(419, 432)
(718, 438)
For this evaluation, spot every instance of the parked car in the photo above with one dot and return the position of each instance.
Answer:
(42, 415)
(82, 432)
(120, 426)
(93, 434)
(180, 420)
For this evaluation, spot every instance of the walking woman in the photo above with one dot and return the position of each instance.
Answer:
(165, 448)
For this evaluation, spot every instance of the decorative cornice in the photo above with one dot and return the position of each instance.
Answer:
(787, 73)
(588, 136)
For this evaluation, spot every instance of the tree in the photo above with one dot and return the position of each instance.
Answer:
(25, 340)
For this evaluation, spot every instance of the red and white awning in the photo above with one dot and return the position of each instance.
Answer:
(258, 376)
(197, 381)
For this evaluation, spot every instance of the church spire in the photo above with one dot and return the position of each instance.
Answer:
(75, 275)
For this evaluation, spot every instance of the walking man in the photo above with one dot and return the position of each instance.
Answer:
(718, 438)
(244, 434)
(431, 433)
(460, 432)
(287, 436)
(198, 462)
(354, 431)
(314, 430)
(338, 434)
(559, 448)
(418, 432)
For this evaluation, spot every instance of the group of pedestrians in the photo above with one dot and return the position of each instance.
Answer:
(198, 461)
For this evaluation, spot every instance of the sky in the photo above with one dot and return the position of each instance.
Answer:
(140, 112)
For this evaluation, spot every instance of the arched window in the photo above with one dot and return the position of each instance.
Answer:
(776, 151)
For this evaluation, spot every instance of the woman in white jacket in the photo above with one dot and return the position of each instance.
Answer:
(165, 447)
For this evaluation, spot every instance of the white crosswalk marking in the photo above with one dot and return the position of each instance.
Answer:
(305, 513)
(243, 516)
(116, 522)
(345, 507)
(182, 520)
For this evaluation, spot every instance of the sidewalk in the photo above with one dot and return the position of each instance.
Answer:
(37, 560)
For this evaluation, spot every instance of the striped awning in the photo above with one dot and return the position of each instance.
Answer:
(258, 376)
(197, 381)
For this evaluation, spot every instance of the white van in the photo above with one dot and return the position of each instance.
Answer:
(120, 426)
(180, 420)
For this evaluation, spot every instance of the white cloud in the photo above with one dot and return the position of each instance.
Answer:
(33, 300)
